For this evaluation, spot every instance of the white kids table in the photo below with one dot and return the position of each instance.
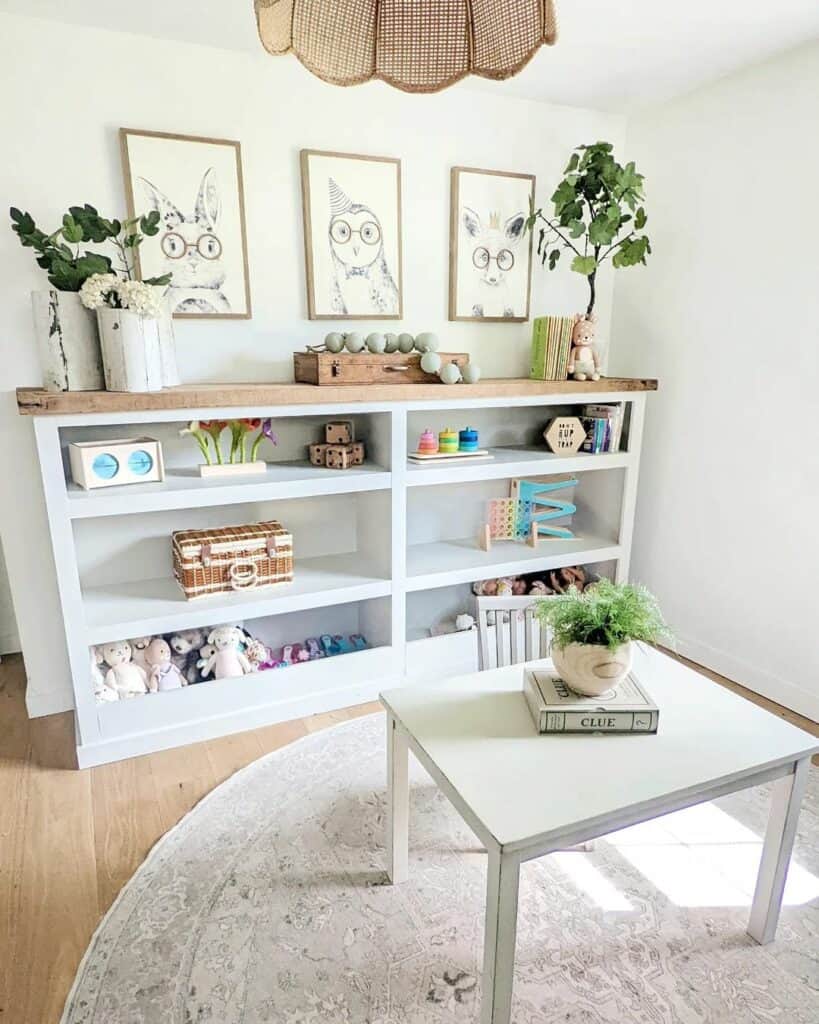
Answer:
(525, 795)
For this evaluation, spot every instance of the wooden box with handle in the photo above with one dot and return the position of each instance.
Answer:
(367, 367)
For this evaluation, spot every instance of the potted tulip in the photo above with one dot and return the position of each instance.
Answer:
(592, 632)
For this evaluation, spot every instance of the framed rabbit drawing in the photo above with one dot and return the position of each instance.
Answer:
(490, 254)
(352, 235)
(195, 184)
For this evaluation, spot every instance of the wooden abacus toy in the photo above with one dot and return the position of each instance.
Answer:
(508, 519)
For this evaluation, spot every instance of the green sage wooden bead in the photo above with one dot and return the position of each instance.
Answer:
(376, 342)
(334, 342)
(430, 362)
(390, 342)
(427, 342)
(450, 373)
(471, 373)
(406, 342)
(353, 342)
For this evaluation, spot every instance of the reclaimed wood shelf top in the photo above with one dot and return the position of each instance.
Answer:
(39, 402)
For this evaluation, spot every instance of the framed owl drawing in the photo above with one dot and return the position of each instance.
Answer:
(490, 254)
(195, 184)
(352, 235)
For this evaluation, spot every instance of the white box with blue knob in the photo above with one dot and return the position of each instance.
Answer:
(127, 460)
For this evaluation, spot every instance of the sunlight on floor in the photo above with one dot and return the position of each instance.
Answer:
(699, 857)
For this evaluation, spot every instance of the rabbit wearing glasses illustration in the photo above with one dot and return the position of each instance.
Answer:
(362, 282)
(191, 248)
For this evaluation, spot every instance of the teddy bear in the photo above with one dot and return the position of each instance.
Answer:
(123, 676)
(185, 647)
(227, 660)
(584, 363)
(162, 672)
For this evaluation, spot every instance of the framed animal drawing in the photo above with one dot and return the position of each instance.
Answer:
(195, 184)
(490, 257)
(352, 235)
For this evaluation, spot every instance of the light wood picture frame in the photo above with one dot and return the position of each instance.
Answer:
(203, 240)
(490, 257)
(352, 236)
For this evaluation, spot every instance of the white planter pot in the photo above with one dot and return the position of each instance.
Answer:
(130, 350)
(590, 669)
(167, 349)
(68, 342)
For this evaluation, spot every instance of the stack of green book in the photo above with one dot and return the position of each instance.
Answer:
(551, 345)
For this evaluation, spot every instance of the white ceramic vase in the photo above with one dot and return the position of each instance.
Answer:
(591, 669)
(131, 351)
(68, 342)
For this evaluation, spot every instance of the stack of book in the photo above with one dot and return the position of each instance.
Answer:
(551, 344)
(557, 708)
(604, 427)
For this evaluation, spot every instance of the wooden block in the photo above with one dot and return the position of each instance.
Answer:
(339, 432)
(564, 435)
(358, 453)
(339, 456)
(485, 538)
(318, 454)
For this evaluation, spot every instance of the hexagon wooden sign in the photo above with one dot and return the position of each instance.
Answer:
(564, 435)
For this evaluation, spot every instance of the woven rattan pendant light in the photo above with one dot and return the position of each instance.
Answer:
(415, 45)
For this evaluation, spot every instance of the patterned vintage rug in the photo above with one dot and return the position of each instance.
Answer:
(267, 904)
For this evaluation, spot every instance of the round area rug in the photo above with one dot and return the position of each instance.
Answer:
(268, 903)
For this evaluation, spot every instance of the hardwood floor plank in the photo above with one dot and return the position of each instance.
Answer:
(181, 778)
(230, 753)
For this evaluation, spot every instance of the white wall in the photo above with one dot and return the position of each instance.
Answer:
(726, 315)
(67, 91)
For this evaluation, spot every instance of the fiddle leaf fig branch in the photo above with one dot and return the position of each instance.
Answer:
(598, 214)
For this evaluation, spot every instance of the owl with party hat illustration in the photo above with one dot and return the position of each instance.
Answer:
(361, 280)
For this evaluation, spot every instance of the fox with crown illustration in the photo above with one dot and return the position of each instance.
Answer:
(491, 249)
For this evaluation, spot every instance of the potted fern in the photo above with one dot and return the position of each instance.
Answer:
(592, 632)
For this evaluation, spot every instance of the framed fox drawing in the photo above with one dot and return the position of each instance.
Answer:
(195, 184)
(490, 255)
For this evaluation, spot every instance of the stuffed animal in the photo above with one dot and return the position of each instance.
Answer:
(570, 576)
(539, 589)
(206, 652)
(505, 587)
(584, 363)
(162, 672)
(102, 692)
(185, 648)
(127, 679)
(256, 653)
(519, 586)
(227, 660)
(138, 647)
(464, 622)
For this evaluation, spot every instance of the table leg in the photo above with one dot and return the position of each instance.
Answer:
(397, 802)
(776, 852)
(499, 943)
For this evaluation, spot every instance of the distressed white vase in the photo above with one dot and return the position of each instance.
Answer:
(591, 669)
(131, 352)
(67, 341)
(167, 349)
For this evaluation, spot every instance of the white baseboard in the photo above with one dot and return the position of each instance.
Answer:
(40, 704)
(780, 691)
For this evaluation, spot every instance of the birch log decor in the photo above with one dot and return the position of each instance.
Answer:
(68, 342)
(130, 350)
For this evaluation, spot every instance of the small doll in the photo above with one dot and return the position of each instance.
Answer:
(584, 363)
(519, 586)
(227, 660)
(127, 679)
(185, 648)
(539, 589)
(138, 647)
(256, 653)
(485, 588)
(162, 672)
(504, 587)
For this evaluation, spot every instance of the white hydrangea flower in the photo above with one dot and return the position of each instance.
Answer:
(96, 289)
(141, 298)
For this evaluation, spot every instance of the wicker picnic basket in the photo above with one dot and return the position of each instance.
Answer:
(231, 558)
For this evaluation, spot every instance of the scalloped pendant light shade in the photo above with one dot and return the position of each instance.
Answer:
(414, 45)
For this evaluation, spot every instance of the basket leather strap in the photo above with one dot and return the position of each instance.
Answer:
(205, 554)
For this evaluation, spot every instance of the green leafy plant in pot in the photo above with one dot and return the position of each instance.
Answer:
(592, 632)
(598, 215)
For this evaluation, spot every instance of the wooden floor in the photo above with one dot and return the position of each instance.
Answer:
(69, 840)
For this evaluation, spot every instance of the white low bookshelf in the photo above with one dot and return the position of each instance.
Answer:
(386, 549)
